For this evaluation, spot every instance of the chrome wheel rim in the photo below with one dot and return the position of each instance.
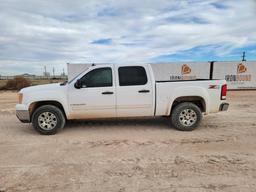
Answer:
(187, 117)
(47, 121)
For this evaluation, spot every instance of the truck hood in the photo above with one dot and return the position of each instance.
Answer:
(46, 87)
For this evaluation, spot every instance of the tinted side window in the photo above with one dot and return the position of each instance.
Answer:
(132, 76)
(101, 77)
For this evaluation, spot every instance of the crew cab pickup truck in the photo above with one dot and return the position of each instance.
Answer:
(113, 91)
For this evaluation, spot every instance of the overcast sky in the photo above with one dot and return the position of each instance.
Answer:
(34, 33)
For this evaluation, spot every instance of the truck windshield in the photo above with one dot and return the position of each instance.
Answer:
(78, 75)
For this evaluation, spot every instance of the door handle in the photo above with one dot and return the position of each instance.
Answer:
(107, 93)
(144, 91)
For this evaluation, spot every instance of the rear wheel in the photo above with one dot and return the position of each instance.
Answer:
(48, 119)
(186, 116)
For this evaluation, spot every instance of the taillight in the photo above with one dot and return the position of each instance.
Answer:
(223, 92)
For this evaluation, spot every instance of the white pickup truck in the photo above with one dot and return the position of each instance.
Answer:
(113, 91)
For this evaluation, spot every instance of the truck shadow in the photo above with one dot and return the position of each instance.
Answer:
(124, 123)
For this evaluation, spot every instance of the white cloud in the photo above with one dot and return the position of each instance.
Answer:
(52, 33)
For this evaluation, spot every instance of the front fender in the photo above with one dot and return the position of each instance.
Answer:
(42, 96)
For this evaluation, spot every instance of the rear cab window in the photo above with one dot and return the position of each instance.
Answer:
(132, 75)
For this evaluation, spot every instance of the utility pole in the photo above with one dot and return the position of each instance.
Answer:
(243, 56)
(44, 70)
(53, 72)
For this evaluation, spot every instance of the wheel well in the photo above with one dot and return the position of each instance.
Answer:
(35, 105)
(199, 101)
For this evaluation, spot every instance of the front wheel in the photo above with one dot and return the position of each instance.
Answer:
(48, 119)
(186, 116)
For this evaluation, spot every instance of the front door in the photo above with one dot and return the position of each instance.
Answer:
(96, 97)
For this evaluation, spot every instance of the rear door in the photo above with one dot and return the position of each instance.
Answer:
(134, 94)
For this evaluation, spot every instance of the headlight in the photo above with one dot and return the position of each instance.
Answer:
(20, 97)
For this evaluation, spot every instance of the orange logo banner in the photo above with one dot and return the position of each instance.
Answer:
(241, 68)
(185, 69)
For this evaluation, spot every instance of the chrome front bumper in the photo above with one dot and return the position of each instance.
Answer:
(22, 113)
(224, 107)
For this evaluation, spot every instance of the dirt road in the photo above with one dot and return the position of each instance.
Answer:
(132, 155)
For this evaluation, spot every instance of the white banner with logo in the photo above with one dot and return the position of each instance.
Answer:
(181, 71)
(239, 75)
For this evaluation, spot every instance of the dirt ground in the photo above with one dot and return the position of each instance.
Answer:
(132, 155)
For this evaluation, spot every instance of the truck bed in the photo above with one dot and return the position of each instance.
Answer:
(182, 80)
(167, 91)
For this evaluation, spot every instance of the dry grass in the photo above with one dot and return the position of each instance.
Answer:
(17, 83)
(34, 82)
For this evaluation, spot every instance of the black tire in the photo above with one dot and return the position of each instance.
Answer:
(186, 116)
(45, 126)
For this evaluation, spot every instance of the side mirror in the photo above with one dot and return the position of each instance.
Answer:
(78, 84)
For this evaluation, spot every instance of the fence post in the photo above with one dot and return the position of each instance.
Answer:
(211, 69)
